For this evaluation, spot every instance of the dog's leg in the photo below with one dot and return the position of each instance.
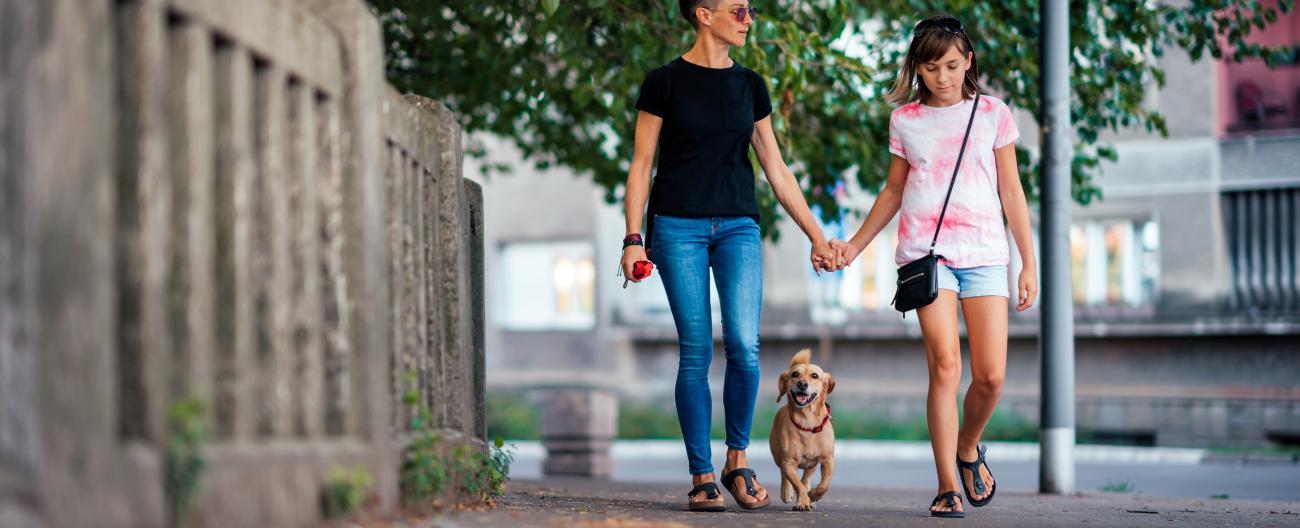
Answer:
(824, 484)
(787, 490)
(807, 484)
(789, 472)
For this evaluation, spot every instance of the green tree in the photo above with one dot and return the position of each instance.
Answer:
(561, 78)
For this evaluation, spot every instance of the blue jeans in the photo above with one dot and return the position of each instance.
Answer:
(683, 250)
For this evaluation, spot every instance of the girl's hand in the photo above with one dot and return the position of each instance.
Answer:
(1026, 289)
(632, 255)
(845, 253)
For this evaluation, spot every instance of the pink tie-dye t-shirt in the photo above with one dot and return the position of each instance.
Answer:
(929, 138)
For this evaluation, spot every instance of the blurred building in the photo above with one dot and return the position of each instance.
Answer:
(1185, 281)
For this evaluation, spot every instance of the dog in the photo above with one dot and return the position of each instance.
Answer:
(802, 435)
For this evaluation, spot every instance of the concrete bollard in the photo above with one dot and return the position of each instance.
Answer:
(578, 426)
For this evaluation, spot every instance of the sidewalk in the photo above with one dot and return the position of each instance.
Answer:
(582, 503)
(1151, 471)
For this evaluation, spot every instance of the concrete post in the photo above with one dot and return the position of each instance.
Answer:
(1056, 346)
(578, 427)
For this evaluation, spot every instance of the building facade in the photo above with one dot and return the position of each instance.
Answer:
(1187, 307)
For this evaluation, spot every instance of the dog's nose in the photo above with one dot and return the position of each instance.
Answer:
(802, 385)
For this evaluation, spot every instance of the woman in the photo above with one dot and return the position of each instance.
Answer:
(942, 113)
(703, 112)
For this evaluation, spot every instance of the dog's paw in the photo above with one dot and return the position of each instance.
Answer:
(816, 494)
(787, 493)
(804, 504)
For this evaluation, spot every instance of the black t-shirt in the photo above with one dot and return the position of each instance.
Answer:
(709, 115)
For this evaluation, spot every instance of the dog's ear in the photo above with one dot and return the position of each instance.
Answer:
(830, 383)
(801, 357)
(780, 386)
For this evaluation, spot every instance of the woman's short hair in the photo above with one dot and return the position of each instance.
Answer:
(688, 9)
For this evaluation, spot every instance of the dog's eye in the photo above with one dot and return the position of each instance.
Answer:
(795, 374)
(815, 376)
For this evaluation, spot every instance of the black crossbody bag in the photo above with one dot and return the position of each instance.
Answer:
(918, 280)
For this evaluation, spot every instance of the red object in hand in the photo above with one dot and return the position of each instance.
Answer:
(642, 269)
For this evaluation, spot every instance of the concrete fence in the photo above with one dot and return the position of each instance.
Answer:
(222, 199)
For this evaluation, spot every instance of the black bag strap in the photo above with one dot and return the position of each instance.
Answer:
(960, 154)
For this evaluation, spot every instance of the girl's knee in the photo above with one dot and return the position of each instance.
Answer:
(946, 370)
(988, 383)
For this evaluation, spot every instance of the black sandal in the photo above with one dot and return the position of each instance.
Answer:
(953, 513)
(729, 482)
(979, 487)
(715, 502)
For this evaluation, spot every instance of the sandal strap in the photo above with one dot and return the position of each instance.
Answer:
(749, 476)
(708, 487)
(950, 495)
(974, 468)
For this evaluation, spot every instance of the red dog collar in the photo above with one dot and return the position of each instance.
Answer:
(814, 430)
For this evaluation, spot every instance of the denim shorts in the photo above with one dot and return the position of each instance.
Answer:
(975, 282)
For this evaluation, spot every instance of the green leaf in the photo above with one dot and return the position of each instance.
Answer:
(558, 87)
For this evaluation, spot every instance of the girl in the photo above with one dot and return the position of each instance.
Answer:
(938, 91)
(703, 112)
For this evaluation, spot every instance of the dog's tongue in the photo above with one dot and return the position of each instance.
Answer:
(801, 398)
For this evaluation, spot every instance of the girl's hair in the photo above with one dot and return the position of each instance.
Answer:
(687, 8)
(931, 39)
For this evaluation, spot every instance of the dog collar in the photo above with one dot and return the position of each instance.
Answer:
(814, 430)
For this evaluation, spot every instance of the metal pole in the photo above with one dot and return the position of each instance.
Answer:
(1056, 345)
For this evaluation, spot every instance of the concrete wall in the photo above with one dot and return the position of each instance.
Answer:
(222, 200)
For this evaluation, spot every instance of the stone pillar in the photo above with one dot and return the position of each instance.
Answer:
(478, 314)
(578, 427)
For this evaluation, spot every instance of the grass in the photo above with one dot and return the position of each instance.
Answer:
(1117, 487)
(513, 417)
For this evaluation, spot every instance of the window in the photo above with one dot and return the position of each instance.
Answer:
(548, 286)
(1263, 253)
(1115, 262)
(1257, 97)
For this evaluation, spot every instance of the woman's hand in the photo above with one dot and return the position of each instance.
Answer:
(1026, 288)
(823, 256)
(632, 255)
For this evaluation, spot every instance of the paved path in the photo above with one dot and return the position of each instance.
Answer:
(1170, 472)
(581, 503)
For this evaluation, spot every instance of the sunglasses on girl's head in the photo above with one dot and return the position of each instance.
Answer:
(948, 24)
(740, 13)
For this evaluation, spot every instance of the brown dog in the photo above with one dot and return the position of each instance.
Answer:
(802, 436)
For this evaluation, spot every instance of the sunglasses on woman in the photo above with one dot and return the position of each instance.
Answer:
(947, 24)
(740, 13)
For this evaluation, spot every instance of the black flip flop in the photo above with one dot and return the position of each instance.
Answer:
(979, 486)
(951, 504)
(729, 481)
(715, 502)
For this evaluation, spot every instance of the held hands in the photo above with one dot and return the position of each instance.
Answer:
(834, 255)
(845, 253)
(823, 257)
